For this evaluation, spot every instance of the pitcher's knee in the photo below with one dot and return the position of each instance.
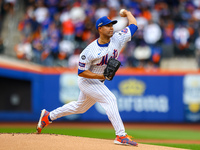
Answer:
(111, 97)
(82, 111)
(81, 108)
(112, 100)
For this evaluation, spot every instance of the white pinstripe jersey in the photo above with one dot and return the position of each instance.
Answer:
(95, 56)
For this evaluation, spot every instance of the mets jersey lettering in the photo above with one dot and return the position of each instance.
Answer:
(103, 61)
(105, 58)
(115, 53)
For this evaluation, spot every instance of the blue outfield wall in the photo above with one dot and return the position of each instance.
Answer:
(141, 98)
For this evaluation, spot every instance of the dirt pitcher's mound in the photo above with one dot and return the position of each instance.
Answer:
(63, 142)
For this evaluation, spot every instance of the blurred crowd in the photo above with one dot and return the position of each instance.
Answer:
(54, 32)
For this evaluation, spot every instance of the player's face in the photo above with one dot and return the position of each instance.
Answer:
(107, 30)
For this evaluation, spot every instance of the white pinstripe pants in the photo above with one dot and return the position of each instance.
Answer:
(92, 91)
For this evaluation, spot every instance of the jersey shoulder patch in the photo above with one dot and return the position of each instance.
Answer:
(81, 64)
(125, 30)
(83, 57)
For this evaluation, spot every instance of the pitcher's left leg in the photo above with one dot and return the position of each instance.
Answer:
(108, 101)
(110, 106)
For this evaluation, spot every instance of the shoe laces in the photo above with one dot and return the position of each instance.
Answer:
(129, 137)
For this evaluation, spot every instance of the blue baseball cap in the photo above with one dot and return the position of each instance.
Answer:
(104, 21)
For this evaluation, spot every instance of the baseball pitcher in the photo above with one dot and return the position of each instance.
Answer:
(97, 63)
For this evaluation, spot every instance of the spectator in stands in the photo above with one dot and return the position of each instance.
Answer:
(152, 33)
(37, 46)
(156, 56)
(1, 46)
(66, 49)
(101, 11)
(25, 27)
(51, 44)
(113, 4)
(181, 36)
(41, 12)
(52, 6)
(24, 49)
(46, 57)
(1, 14)
(142, 22)
(89, 32)
(196, 13)
(9, 6)
(196, 3)
(142, 54)
(167, 39)
(172, 23)
(145, 12)
(197, 50)
(187, 14)
(68, 30)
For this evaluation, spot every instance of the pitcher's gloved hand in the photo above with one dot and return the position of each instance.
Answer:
(112, 67)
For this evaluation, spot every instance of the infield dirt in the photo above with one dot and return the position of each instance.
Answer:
(63, 142)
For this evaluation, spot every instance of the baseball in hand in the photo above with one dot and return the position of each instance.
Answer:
(121, 12)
